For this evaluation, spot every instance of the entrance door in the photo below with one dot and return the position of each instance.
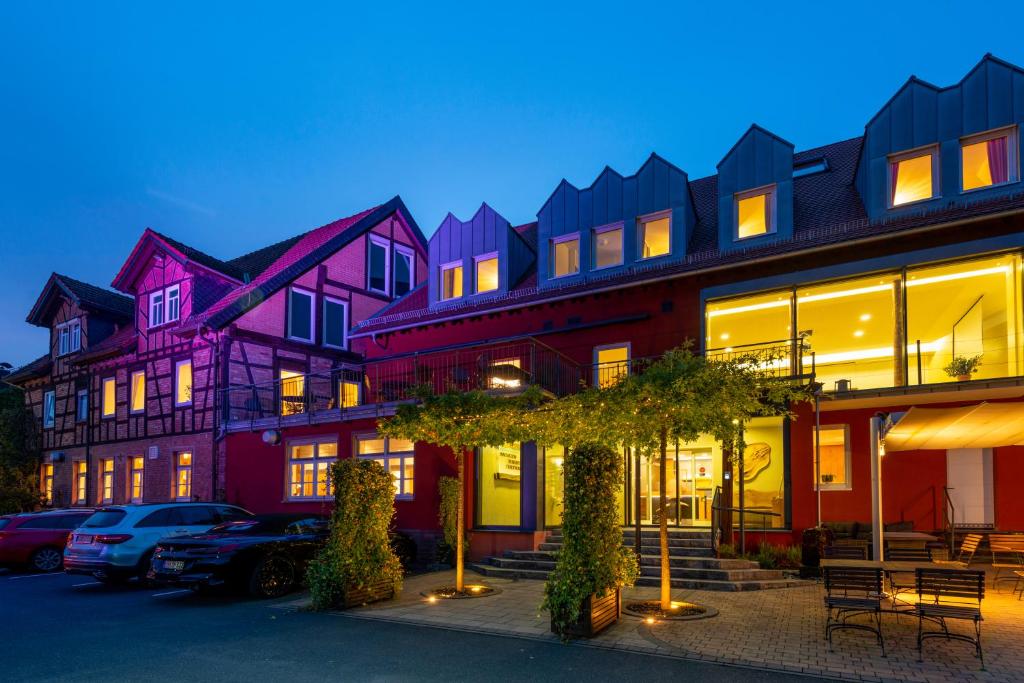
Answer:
(969, 480)
(689, 488)
(650, 490)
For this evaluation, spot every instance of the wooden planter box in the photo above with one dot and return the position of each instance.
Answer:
(596, 615)
(375, 592)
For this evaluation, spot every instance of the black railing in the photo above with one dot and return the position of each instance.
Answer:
(949, 521)
(716, 520)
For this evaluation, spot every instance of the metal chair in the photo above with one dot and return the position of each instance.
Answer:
(846, 552)
(849, 592)
(904, 582)
(949, 594)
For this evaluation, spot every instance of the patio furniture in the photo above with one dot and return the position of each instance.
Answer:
(944, 594)
(846, 552)
(908, 539)
(1018, 587)
(967, 549)
(903, 581)
(851, 592)
(1007, 555)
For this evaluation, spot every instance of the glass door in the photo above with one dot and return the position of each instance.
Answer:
(696, 486)
(690, 477)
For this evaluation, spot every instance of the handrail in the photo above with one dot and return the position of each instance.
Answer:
(716, 521)
(949, 521)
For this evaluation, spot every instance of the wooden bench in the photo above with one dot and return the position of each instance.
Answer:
(849, 592)
(1007, 555)
(846, 552)
(949, 594)
(966, 554)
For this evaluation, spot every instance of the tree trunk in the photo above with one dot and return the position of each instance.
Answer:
(666, 565)
(460, 525)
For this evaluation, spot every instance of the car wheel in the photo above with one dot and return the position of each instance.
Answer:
(47, 560)
(272, 577)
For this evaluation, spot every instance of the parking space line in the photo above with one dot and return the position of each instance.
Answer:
(183, 590)
(33, 576)
(91, 583)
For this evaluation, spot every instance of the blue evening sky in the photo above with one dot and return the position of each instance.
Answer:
(230, 127)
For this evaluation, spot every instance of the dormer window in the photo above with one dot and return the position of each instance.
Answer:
(404, 269)
(988, 159)
(566, 255)
(912, 176)
(164, 305)
(451, 281)
(486, 273)
(300, 315)
(655, 236)
(378, 264)
(755, 213)
(173, 295)
(156, 309)
(607, 246)
(69, 337)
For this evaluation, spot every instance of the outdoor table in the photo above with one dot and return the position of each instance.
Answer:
(886, 566)
(908, 539)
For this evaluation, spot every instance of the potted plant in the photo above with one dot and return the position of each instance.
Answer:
(828, 478)
(962, 367)
(583, 591)
(357, 566)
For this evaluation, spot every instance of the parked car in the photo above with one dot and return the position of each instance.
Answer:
(116, 543)
(266, 555)
(36, 539)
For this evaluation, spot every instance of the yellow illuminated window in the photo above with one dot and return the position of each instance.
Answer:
(988, 160)
(740, 324)
(293, 398)
(397, 458)
(81, 474)
(500, 486)
(566, 257)
(46, 483)
(138, 391)
(754, 215)
(834, 469)
(137, 474)
(109, 397)
(107, 480)
(309, 469)
(607, 247)
(611, 363)
(655, 237)
(348, 392)
(451, 282)
(183, 476)
(487, 274)
(183, 383)
(910, 179)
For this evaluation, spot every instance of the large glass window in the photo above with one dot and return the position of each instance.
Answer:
(763, 472)
(554, 485)
(396, 456)
(566, 260)
(607, 247)
(912, 177)
(740, 324)
(988, 159)
(500, 486)
(834, 472)
(852, 327)
(655, 236)
(486, 273)
(309, 466)
(293, 392)
(963, 310)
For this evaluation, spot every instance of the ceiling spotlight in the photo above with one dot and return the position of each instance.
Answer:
(858, 333)
(865, 317)
(725, 335)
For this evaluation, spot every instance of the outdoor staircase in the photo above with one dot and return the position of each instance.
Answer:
(691, 557)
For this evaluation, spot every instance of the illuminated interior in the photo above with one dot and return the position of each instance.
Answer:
(138, 392)
(655, 237)
(612, 362)
(910, 180)
(47, 483)
(107, 480)
(853, 324)
(109, 397)
(752, 215)
(607, 247)
(183, 383)
(964, 309)
(487, 275)
(554, 485)
(138, 465)
(348, 391)
(451, 282)
(986, 162)
(763, 472)
(500, 486)
(567, 257)
(81, 473)
(183, 476)
(396, 456)
(293, 389)
(691, 474)
(835, 457)
(309, 469)
(744, 323)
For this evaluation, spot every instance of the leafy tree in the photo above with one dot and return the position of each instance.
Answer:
(19, 453)
(462, 421)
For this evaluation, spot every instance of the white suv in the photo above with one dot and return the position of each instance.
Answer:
(117, 542)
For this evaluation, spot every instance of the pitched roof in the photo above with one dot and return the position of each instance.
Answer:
(827, 211)
(85, 295)
(40, 367)
(122, 341)
(202, 258)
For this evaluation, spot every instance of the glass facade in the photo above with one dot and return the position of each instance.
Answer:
(500, 486)
(554, 485)
(763, 472)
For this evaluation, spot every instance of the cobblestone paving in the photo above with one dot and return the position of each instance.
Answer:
(772, 629)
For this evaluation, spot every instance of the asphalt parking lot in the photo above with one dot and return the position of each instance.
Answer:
(56, 627)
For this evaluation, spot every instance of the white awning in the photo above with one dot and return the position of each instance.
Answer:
(983, 425)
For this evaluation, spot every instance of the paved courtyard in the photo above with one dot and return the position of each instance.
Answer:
(775, 629)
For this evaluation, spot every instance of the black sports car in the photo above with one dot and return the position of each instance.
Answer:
(266, 555)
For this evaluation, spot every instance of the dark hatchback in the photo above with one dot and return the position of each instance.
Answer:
(266, 555)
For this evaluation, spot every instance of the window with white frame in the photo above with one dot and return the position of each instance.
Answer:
(49, 409)
(300, 314)
(138, 392)
(82, 405)
(755, 212)
(46, 483)
(137, 478)
(107, 480)
(988, 159)
(81, 473)
(309, 466)
(486, 275)
(378, 264)
(164, 305)
(182, 475)
(451, 280)
(69, 337)
(607, 246)
(834, 458)
(395, 456)
(913, 176)
(156, 308)
(404, 270)
(173, 297)
(335, 323)
(183, 383)
(109, 396)
(565, 255)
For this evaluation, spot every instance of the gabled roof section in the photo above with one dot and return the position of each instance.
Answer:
(283, 262)
(40, 367)
(124, 340)
(84, 295)
(152, 241)
(750, 131)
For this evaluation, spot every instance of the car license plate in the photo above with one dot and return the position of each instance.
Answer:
(174, 565)
(83, 538)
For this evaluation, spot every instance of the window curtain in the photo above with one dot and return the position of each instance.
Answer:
(998, 160)
(894, 174)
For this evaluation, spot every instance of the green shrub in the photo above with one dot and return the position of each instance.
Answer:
(447, 515)
(358, 553)
(727, 551)
(777, 556)
(593, 559)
